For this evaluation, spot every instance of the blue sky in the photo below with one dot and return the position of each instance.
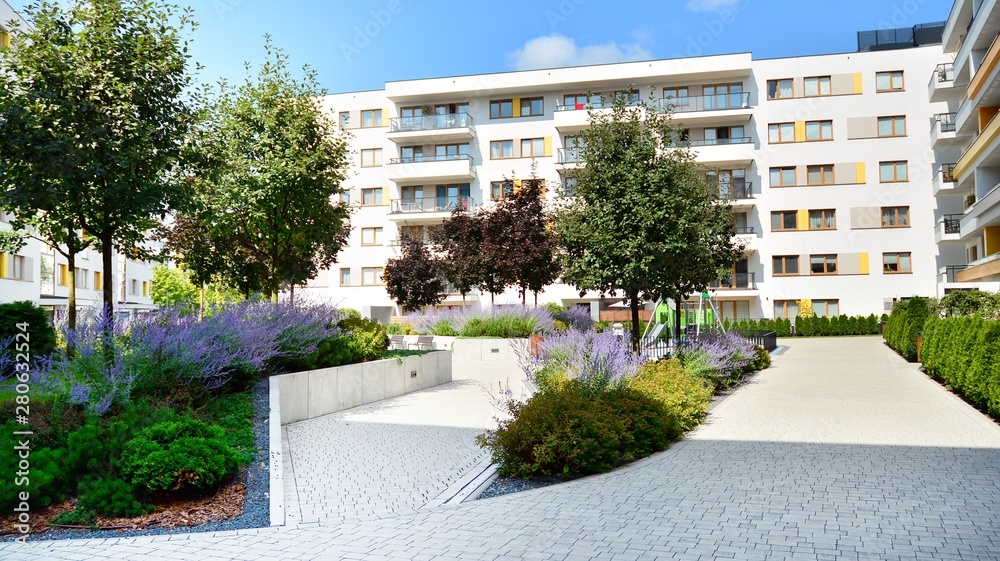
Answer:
(361, 44)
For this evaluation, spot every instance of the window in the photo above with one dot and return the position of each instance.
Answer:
(676, 96)
(823, 264)
(892, 126)
(371, 236)
(345, 119)
(889, 172)
(98, 281)
(819, 130)
(411, 193)
(895, 217)
(724, 135)
(371, 157)
(783, 177)
(501, 149)
(63, 275)
(779, 89)
(501, 189)
(722, 96)
(532, 147)
(16, 267)
(817, 85)
(826, 308)
(889, 81)
(371, 118)
(825, 219)
(371, 196)
(569, 187)
(786, 265)
(145, 288)
(896, 263)
(819, 174)
(781, 132)
(345, 196)
(345, 277)
(580, 101)
(784, 220)
(411, 154)
(631, 97)
(371, 276)
(786, 309)
(502, 109)
(532, 107)
(451, 151)
(134, 287)
(80, 278)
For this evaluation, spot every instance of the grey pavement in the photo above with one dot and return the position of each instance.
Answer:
(841, 450)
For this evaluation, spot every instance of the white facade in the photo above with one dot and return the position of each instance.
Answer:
(730, 129)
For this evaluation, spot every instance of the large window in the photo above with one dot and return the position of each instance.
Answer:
(371, 118)
(17, 267)
(889, 172)
(677, 96)
(819, 130)
(889, 81)
(502, 109)
(411, 193)
(783, 177)
(826, 308)
(783, 220)
(786, 309)
(786, 265)
(532, 147)
(371, 196)
(371, 157)
(892, 126)
(580, 101)
(451, 151)
(823, 264)
(371, 236)
(825, 219)
(819, 174)
(345, 119)
(781, 132)
(895, 216)
(501, 189)
(345, 277)
(779, 89)
(81, 278)
(817, 85)
(532, 107)
(371, 276)
(501, 149)
(896, 262)
(345, 196)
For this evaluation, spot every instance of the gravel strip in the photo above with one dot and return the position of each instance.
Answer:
(256, 506)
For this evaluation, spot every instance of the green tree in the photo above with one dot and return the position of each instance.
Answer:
(173, 287)
(92, 115)
(268, 162)
(644, 221)
(413, 279)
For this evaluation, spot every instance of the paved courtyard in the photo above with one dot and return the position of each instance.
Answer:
(840, 451)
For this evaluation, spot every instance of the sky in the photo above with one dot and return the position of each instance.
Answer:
(361, 44)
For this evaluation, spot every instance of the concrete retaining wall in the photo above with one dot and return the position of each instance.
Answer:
(486, 350)
(306, 395)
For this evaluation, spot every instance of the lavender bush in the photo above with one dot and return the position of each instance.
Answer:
(599, 361)
(577, 318)
(718, 357)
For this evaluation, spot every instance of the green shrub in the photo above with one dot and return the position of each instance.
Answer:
(110, 496)
(964, 354)
(366, 339)
(685, 396)
(348, 313)
(79, 517)
(565, 433)
(970, 302)
(41, 335)
(500, 326)
(400, 329)
(761, 359)
(181, 454)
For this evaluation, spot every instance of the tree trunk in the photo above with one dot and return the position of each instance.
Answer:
(524, 296)
(201, 302)
(71, 301)
(677, 318)
(633, 297)
(107, 254)
(536, 298)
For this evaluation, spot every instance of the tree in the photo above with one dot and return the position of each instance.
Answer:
(173, 287)
(92, 115)
(460, 239)
(413, 279)
(533, 263)
(644, 220)
(268, 164)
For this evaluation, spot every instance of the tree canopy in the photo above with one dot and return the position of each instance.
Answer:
(413, 279)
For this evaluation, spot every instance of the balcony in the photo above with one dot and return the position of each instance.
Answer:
(951, 272)
(942, 84)
(982, 148)
(747, 235)
(570, 156)
(948, 229)
(728, 150)
(737, 281)
(432, 207)
(431, 129)
(943, 133)
(417, 169)
(983, 270)
(739, 194)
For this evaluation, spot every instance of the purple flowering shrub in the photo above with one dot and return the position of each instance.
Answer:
(598, 361)
(576, 317)
(718, 357)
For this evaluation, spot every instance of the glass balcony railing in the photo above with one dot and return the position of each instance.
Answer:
(595, 104)
(716, 102)
(430, 204)
(946, 122)
(418, 158)
(430, 122)
(716, 141)
(570, 155)
(945, 72)
(732, 191)
(948, 173)
(738, 281)
(951, 272)
(745, 230)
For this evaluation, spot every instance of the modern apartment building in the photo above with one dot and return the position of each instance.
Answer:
(826, 159)
(39, 274)
(967, 147)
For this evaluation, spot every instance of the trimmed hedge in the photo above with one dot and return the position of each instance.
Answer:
(906, 324)
(964, 354)
(810, 326)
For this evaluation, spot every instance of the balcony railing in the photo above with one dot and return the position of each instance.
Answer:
(732, 191)
(430, 122)
(948, 173)
(739, 281)
(946, 122)
(952, 223)
(595, 104)
(429, 158)
(951, 272)
(945, 72)
(570, 155)
(716, 141)
(430, 204)
(716, 102)
(745, 230)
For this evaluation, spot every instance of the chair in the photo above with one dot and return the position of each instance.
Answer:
(423, 342)
(396, 342)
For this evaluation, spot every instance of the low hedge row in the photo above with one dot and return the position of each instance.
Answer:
(809, 326)
(964, 354)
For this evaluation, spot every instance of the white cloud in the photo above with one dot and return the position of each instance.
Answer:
(711, 5)
(556, 50)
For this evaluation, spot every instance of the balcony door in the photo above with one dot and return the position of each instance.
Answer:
(451, 151)
(741, 221)
(410, 154)
(723, 96)
(732, 182)
(450, 197)
(452, 115)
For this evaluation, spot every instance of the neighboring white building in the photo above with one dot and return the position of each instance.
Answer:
(967, 145)
(39, 274)
(828, 159)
